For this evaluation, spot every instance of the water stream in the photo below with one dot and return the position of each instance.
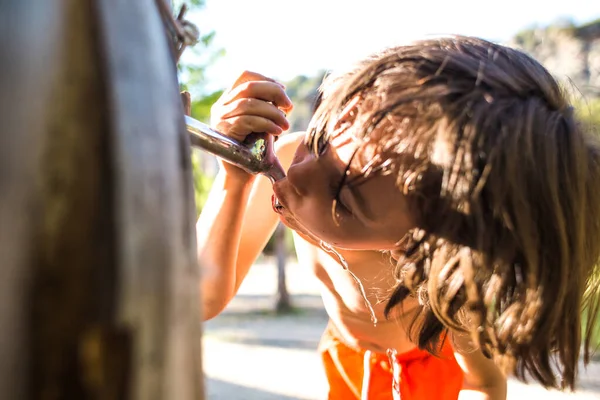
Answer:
(329, 249)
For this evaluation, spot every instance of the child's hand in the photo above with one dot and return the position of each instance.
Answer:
(254, 103)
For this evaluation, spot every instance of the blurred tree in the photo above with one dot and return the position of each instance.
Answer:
(192, 69)
(589, 112)
(302, 90)
(282, 303)
(194, 63)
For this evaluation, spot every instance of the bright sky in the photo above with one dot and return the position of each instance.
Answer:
(285, 38)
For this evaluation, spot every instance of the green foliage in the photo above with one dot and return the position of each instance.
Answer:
(196, 59)
(528, 39)
(588, 111)
(532, 37)
(593, 297)
(202, 182)
(192, 3)
(588, 25)
(192, 79)
(595, 331)
(193, 74)
(302, 90)
(201, 106)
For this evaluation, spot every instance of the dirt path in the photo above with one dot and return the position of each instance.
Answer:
(250, 354)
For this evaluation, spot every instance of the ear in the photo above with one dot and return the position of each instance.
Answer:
(404, 244)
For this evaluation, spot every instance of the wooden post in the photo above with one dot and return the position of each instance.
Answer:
(99, 293)
(27, 30)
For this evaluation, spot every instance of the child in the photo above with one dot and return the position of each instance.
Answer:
(448, 203)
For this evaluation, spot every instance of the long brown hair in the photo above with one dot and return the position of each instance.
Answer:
(506, 187)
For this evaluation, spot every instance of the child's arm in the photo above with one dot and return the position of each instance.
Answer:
(483, 380)
(237, 220)
(234, 227)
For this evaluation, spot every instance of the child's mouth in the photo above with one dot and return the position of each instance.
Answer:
(288, 220)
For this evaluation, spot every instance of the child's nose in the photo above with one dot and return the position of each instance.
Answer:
(301, 170)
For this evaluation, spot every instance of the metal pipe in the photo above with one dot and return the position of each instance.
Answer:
(254, 155)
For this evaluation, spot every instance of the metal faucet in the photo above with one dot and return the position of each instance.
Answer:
(255, 154)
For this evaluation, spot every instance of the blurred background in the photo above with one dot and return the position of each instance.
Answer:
(264, 344)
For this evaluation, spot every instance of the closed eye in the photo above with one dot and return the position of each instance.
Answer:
(317, 142)
(322, 145)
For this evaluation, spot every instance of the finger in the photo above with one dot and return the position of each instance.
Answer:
(255, 107)
(244, 77)
(240, 127)
(248, 76)
(266, 91)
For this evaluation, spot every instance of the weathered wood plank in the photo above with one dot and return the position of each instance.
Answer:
(79, 352)
(154, 198)
(99, 292)
(27, 30)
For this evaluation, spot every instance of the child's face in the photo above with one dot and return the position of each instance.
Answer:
(372, 214)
